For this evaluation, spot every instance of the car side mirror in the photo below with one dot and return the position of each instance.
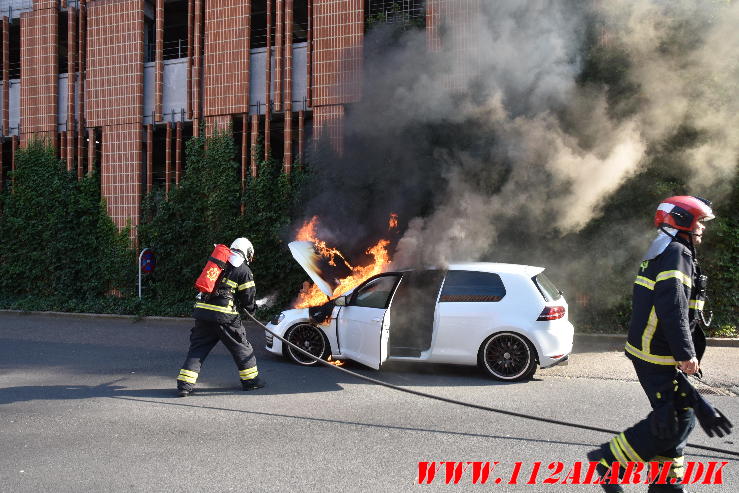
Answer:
(340, 301)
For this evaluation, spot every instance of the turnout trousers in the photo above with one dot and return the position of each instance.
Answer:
(203, 337)
(638, 444)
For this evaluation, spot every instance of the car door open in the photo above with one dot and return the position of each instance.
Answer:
(363, 325)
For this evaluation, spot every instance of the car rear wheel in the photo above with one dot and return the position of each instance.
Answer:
(308, 338)
(507, 356)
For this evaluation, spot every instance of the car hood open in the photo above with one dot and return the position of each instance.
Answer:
(318, 268)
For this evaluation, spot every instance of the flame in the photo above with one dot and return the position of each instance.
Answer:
(308, 233)
(311, 295)
(393, 222)
(335, 362)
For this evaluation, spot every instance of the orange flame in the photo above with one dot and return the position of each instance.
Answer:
(308, 233)
(393, 222)
(311, 295)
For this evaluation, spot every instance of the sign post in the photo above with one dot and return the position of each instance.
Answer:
(146, 264)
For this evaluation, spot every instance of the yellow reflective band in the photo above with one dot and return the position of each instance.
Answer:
(643, 281)
(247, 372)
(250, 377)
(187, 376)
(626, 446)
(616, 451)
(650, 358)
(223, 309)
(676, 274)
(230, 283)
(246, 285)
(646, 338)
(676, 465)
(696, 304)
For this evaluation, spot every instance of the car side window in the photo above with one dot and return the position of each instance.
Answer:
(376, 293)
(472, 286)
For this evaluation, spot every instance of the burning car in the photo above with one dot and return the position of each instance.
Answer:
(507, 319)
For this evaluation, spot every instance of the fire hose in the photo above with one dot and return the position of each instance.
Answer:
(462, 403)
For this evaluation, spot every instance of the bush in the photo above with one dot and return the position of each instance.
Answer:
(56, 239)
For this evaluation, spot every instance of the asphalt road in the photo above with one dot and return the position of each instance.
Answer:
(88, 404)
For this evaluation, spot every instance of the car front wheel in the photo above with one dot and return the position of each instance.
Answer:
(507, 356)
(308, 338)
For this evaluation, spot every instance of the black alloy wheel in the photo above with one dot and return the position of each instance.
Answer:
(308, 338)
(508, 356)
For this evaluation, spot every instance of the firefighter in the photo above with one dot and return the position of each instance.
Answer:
(217, 319)
(666, 337)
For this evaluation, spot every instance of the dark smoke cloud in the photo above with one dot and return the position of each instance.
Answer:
(494, 148)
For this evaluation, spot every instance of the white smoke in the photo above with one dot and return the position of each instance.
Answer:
(518, 64)
(684, 57)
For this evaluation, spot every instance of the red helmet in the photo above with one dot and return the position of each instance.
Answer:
(683, 212)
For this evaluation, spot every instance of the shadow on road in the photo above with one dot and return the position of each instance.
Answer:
(25, 393)
(180, 403)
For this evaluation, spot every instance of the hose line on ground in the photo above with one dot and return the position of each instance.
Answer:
(462, 403)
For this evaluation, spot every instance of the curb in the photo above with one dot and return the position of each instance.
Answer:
(621, 339)
(580, 338)
(97, 315)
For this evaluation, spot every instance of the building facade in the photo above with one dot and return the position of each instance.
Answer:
(121, 84)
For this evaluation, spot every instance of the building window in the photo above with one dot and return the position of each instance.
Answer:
(63, 29)
(175, 29)
(149, 40)
(300, 21)
(404, 14)
(14, 42)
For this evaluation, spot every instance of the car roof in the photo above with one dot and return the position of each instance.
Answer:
(498, 268)
(494, 267)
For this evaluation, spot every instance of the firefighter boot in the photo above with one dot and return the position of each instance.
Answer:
(186, 382)
(185, 390)
(604, 471)
(252, 384)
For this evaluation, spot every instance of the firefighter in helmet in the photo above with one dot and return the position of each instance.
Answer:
(217, 319)
(666, 342)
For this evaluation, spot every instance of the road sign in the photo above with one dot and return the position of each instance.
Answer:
(148, 261)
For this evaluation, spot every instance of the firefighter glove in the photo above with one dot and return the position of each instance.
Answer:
(711, 419)
(663, 419)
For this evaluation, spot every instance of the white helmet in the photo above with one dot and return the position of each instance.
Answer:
(244, 247)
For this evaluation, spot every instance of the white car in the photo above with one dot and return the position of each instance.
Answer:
(505, 318)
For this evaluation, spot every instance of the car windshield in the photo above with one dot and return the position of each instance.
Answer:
(547, 288)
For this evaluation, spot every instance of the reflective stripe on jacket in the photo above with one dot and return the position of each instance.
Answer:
(664, 294)
(235, 291)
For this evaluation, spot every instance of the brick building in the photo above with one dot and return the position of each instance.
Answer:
(123, 83)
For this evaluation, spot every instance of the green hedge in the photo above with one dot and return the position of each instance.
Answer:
(56, 239)
(60, 251)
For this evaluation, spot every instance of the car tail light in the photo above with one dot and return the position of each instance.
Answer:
(552, 313)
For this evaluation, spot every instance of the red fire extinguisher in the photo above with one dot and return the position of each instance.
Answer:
(206, 282)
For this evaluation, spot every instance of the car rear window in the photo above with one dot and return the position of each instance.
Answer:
(466, 286)
(546, 287)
